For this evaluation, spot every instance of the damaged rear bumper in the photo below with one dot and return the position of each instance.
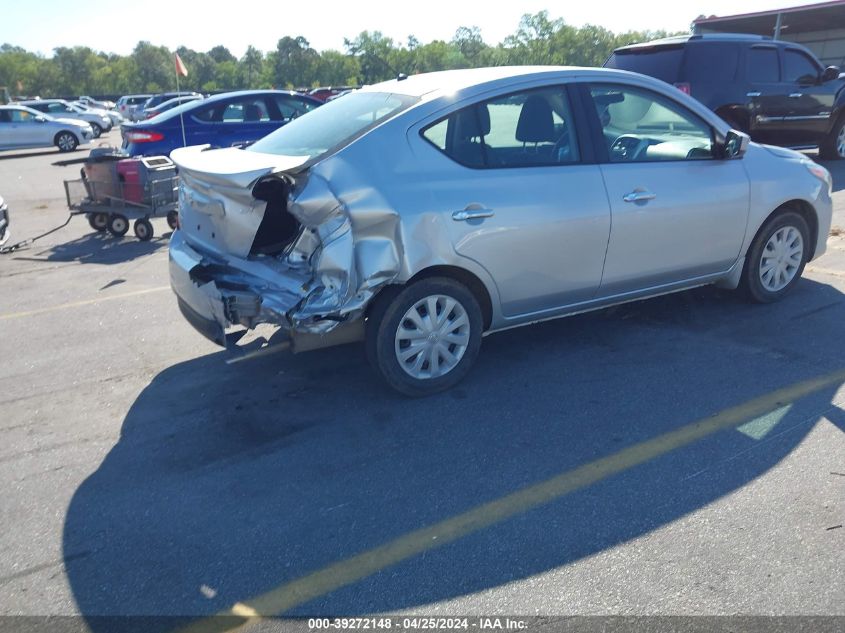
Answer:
(213, 295)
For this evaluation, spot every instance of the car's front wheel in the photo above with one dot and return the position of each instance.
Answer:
(425, 337)
(776, 257)
(66, 142)
(98, 130)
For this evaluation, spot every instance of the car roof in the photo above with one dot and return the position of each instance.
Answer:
(679, 40)
(448, 82)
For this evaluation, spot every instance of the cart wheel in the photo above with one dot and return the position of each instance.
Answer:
(118, 225)
(98, 221)
(143, 229)
(173, 219)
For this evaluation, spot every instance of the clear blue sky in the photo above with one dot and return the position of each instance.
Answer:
(117, 25)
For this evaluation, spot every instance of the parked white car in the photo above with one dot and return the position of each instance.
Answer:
(104, 105)
(115, 116)
(422, 213)
(131, 105)
(60, 108)
(24, 128)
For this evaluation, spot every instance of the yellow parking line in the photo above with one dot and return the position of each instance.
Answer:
(350, 570)
(76, 304)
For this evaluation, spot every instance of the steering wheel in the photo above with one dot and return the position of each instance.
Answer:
(625, 148)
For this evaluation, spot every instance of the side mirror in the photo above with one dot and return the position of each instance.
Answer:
(734, 145)
(41, 119)
(830, 73)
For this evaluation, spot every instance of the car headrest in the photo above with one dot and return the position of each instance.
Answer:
(252, 112)
(472, 122)
(536, 124)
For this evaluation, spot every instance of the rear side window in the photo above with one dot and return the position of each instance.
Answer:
(524, 129)
(761, 65)
(661, 62)
(797, 67)
(710, 62)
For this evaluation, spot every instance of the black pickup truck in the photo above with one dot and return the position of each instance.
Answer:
(778, 92)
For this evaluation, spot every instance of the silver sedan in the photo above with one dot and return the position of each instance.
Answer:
(424, 213)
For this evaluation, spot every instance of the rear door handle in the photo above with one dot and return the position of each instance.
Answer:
(639, 196)
(795, 95)
(472, 214)
(752, 94)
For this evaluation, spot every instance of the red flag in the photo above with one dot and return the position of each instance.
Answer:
(180, 66)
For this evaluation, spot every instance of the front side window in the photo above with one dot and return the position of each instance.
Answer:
(248, 110)
(643, 126)
(291, 107)
(798, 68)
(761, 65)
(524, 129)
(21, 116)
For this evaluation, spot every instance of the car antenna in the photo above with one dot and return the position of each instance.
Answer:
(401, 77)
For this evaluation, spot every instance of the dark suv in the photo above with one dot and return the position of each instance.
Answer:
(776, 91)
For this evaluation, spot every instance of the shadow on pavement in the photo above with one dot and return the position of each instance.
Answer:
(229, 480)
(837, 170)
(100, 248)
(30, 154)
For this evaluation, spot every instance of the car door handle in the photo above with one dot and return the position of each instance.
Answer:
(472, 214)
(752, 94)
(639, 196)
(795, 95)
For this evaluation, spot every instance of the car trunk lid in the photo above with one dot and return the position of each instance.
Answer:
(218, 211)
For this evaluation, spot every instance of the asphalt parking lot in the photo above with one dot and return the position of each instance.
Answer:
(680, 456)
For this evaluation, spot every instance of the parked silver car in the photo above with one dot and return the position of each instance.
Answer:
(114, 116)
(25, 128)
(60, 108)
(425, 212)
(130, 105)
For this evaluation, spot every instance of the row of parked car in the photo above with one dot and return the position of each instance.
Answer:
(778, 92)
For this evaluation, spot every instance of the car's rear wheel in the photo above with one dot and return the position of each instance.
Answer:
(833, 147)
(776, 258)
(66, 142)
(425, 338)
(98, 130)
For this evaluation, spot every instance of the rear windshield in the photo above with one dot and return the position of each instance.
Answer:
(662, 62)
(332, 125)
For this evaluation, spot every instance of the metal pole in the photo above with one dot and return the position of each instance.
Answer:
(181, 120)
(777, 26)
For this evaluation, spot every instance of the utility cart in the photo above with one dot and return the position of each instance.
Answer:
(114, 189)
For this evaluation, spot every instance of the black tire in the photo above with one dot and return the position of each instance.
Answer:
(173, 219)
(98, 221)
(830, 147)
(98, 130)
(66, 142)
(118, 225)
(143, 229)
(385, 318)
(751, 283)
